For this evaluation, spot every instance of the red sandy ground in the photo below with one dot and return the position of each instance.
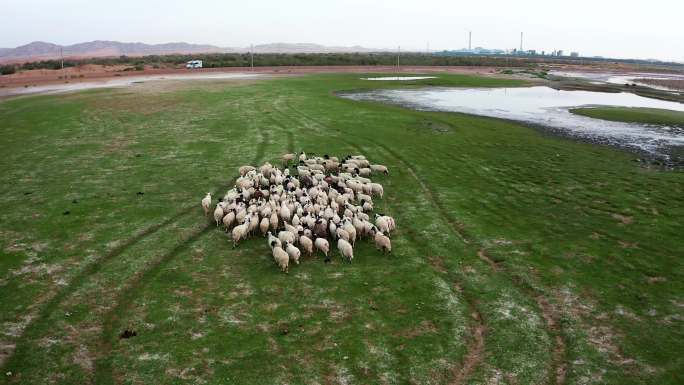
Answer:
(93, 72)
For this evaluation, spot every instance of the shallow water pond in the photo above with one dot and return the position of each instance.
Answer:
(546, 107)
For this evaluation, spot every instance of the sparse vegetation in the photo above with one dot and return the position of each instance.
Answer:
(675, 84)
(633, 115)
(7, 69)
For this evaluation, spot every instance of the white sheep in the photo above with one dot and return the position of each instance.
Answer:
(240, 232)
(287, 158)
(274, 221)
(245, 169)
(345, 249)
(327, 200)
(382, 241)
(218, 214)
(342, 234)
(273, 241)
(293, 252)
(351, 230)
(281, 258)
(228, 219)
(379, 168)
(323, 245)
(307, 244)
(284, 213)
(286, 236)
(376, 189)
(382, 223)
(264, 225)
(206, 203)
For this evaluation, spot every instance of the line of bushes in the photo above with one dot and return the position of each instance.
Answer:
(311, 59)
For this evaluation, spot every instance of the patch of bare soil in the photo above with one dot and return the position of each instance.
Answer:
(476, 348)
(624, 219)
(674, 84)
(551, 314)
(89, 73)
(482, 254)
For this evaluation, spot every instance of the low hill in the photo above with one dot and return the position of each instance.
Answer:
(39, 50)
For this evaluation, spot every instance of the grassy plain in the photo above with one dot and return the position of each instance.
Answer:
(633, 115)
(520, 257)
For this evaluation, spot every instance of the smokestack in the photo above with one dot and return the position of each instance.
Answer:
(470, 40)
(521, 40)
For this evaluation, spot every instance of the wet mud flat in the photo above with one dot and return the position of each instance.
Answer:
(548, 111)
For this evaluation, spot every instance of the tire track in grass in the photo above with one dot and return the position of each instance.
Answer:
(478, 329)
(288, 133)
(95, 267)
(551, 315)
(475, 350)
(103, 366)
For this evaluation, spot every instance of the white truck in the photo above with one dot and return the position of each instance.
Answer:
(193, 64)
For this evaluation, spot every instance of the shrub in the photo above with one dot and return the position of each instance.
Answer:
(7, 70)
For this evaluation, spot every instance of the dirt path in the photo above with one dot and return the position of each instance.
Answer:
(50, 81)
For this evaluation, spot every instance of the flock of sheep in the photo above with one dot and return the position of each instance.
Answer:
(327, 199)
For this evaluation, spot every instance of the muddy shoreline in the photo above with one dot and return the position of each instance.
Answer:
(670, 157)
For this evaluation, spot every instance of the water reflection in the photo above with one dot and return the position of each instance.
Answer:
(546, 107)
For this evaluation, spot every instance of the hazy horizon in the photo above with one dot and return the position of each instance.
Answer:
(628, 30)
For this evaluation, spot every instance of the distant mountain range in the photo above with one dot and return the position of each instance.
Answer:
(39, 50)
(306, 48)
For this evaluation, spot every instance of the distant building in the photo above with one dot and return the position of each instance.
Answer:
(574, 54)
(474, 51)
(194, 64)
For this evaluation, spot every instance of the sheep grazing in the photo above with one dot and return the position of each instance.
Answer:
(379, 168)
(306, 243)
(240, 232)
(323, 245)
(293, 252)
(303, 205)
(206, 203)
(281, 258)
(286, 236)
(287, 158)
(346, 249)
(228, 219)
(382, 223)
(218, 214)
(342, 234)
(264, 225)
(376, 189)
(382, 241)
(245, 169)
(273, 241)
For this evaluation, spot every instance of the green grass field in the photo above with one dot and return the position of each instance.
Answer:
(520, 257)
(636, 115)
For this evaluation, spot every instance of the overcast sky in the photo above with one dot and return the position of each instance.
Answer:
(639, 29)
